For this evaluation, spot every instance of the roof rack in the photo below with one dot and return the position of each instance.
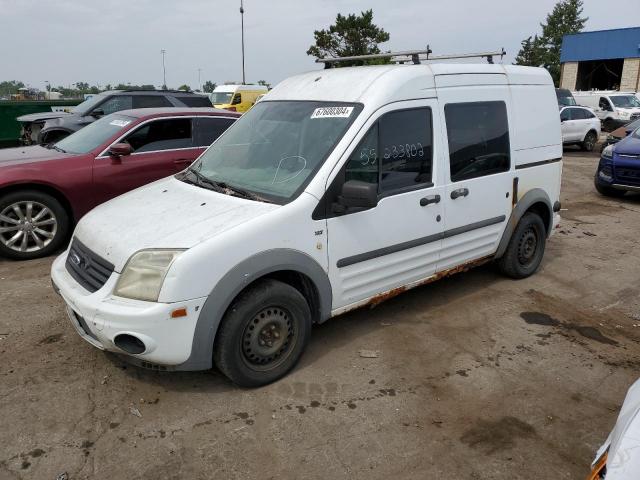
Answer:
(414, 56)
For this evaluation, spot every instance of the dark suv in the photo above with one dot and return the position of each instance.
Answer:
(49, 127)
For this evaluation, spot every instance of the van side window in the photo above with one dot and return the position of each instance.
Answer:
(478, 134)
(396, 153)
(237, 98)
(604, 104)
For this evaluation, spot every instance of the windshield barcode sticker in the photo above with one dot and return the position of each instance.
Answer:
(120, 123)
(332, 112)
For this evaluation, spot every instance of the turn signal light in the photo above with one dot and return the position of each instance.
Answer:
(179, 312)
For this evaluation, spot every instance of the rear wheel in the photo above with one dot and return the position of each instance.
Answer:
(526, 247)
(33, 224)
(589, 142)
(263, 334)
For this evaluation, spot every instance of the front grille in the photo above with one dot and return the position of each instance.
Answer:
(628, 174)
(87, 268)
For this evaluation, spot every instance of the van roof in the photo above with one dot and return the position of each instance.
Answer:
(386, 83)
(236, 88)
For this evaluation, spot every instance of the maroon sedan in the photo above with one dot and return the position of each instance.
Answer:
(44, 190)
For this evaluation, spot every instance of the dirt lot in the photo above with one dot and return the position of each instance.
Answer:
(479, 377)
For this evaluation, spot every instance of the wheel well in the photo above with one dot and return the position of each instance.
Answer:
(44, 189)
(592, 131)
(300, 282)
(542, 209)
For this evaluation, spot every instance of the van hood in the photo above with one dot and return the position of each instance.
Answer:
(164, 214)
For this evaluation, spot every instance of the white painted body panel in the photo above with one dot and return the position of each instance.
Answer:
(623, 461)
(219, 232)
(574, 131)
(592, 100)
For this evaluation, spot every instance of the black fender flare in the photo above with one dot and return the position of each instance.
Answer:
(533, 196)
(238, 278)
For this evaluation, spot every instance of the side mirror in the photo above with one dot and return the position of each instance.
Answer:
(98, 112)
(356, 196)
(118, 150)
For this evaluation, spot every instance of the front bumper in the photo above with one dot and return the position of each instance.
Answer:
(100, 317)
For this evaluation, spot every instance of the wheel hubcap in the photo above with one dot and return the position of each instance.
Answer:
(27, 226)
(527, 247)
(268, 338)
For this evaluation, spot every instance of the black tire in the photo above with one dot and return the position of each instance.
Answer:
(264, 312)
(608, 125)
(589, 142)
(608, 191)
(59, 230)
(526, 248)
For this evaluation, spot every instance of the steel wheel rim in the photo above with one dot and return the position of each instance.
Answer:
(269, 338)
(528, 247)
(27, 226)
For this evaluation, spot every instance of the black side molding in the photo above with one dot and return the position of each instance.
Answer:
(537, 164)
(398, 247)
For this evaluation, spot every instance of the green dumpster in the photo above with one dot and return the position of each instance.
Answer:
(9, 110)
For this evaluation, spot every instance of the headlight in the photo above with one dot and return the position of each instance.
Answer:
(144, 274)
(608, 152)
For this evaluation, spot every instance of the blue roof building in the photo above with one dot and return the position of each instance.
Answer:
(602, 60)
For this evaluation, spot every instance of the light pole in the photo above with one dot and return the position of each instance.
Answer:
(242, 28)
(164, 70)
(199, 82)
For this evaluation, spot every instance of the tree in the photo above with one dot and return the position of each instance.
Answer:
(82, 86)
(350, 35)
(11, 86)
(530, 53)
(185, 87)
(565, 19)
(264, 83)
(208, 86)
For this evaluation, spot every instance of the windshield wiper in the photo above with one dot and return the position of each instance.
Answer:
(58, 149)
(223, 187)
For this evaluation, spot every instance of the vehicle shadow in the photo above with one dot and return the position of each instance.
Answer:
(335, 333)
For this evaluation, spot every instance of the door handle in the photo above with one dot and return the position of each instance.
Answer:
(429, 200)
(182, 161)
(460, 192)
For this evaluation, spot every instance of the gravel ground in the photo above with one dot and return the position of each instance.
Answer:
(478, 377)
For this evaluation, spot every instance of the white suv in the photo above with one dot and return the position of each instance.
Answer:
(341, 188)
(580, 126)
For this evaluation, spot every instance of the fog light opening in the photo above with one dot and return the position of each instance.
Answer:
(129, 344)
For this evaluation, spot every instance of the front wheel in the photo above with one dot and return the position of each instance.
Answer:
(33, 224)
(526, 248)
(263, 334)
(608, 191)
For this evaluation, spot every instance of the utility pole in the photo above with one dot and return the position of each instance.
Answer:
(199, 82)
(164, 70)
(242, 28)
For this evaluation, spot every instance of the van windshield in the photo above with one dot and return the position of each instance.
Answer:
(221, 97)
(625, 101)
(274, 149)
(565, 98)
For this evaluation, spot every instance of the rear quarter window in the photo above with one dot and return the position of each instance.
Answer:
(195, 101)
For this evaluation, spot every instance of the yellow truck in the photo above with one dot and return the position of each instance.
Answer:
(236, 98)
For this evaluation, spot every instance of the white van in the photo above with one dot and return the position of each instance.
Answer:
(340, 189)
(613, 108)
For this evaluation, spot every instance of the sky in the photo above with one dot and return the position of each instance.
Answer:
(112, 41)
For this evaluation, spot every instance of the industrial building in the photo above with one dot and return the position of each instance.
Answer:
(601, 60)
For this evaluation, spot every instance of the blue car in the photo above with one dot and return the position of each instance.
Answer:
(619, 168)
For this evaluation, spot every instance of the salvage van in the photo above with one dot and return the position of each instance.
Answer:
(342, 188)
(236, 98)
